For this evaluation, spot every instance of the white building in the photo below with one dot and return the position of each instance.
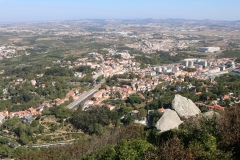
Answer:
(188, 62)
(175, 68)
(208, 49)
(204, 63)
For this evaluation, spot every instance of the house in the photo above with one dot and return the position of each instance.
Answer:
(59, 101)
(110, 107)
(141, 87)
(134, 112)
(2, 118)
(217, 107)
(98, 95)
(33, 82)
(4, 113)
(161, 110)
(43, 85)
(87, 104)
(198, 93)
(28, 119)
(78, 74)
(226, 97)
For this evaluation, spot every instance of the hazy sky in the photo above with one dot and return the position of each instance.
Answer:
(42, 10)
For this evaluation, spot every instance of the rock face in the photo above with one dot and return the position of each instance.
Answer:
(169, 120)
(184, 107)
(210, 114)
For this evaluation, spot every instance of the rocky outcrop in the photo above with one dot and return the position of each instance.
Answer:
(169, 120)
(211, 114)
(142, 122)
(184, 107)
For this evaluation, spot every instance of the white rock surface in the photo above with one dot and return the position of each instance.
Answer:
(184, 107)
(169, 120)
(142, 122)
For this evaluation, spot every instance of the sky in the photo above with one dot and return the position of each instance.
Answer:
(47, 10)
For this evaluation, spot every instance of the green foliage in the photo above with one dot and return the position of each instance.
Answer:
(59, 71)
(5, 104)
(108, 153)
(154, 117)
(92, 121)
(129, 119)
(142, 113)
(4, 140)
(112, 81)
(19, 151)
(131, 150)
(24, 139)
(231, 54)
(5, 151)
(22, 130)
(160, 57)
(59, 111)
(190, 69)
(84, 69)
(133, 98)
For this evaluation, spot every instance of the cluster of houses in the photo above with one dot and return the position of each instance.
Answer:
(149, 78)
(211, 107)
(27, 115)
(203, 68)
(71, 95)
(167, 43)
(104, 94)
(7, 52)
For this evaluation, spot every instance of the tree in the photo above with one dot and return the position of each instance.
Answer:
(131, 150)
(5, 151)
(129, 119)
(142, 113)
(4, 140)
(93, 120)
(108, 153)
(24, 139)
(132, 99)
(19, 151)
(103, 86)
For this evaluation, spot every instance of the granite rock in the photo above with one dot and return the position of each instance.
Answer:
(169, 120)
(184, 107)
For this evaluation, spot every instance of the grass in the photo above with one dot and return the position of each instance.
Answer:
(231, 54)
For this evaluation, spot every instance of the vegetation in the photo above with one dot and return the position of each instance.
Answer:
(44, 72)
(22, 130)
(95, 120)
(215, 138)
(160, 57)
(189, 69)
(231, 54)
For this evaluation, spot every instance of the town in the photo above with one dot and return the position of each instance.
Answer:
(64, 81)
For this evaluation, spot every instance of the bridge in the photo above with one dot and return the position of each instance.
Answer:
(84, 96)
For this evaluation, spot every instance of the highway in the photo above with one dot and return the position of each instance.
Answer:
(84, 96)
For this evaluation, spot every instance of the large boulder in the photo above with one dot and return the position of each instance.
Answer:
(184, 107)
(211, 114)
(169, 120)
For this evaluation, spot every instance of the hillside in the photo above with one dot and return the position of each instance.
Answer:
(202, 138)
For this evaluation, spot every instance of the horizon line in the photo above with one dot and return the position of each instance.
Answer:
(62, 20)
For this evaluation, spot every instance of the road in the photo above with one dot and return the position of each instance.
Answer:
(52, 144)
(85, 96)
